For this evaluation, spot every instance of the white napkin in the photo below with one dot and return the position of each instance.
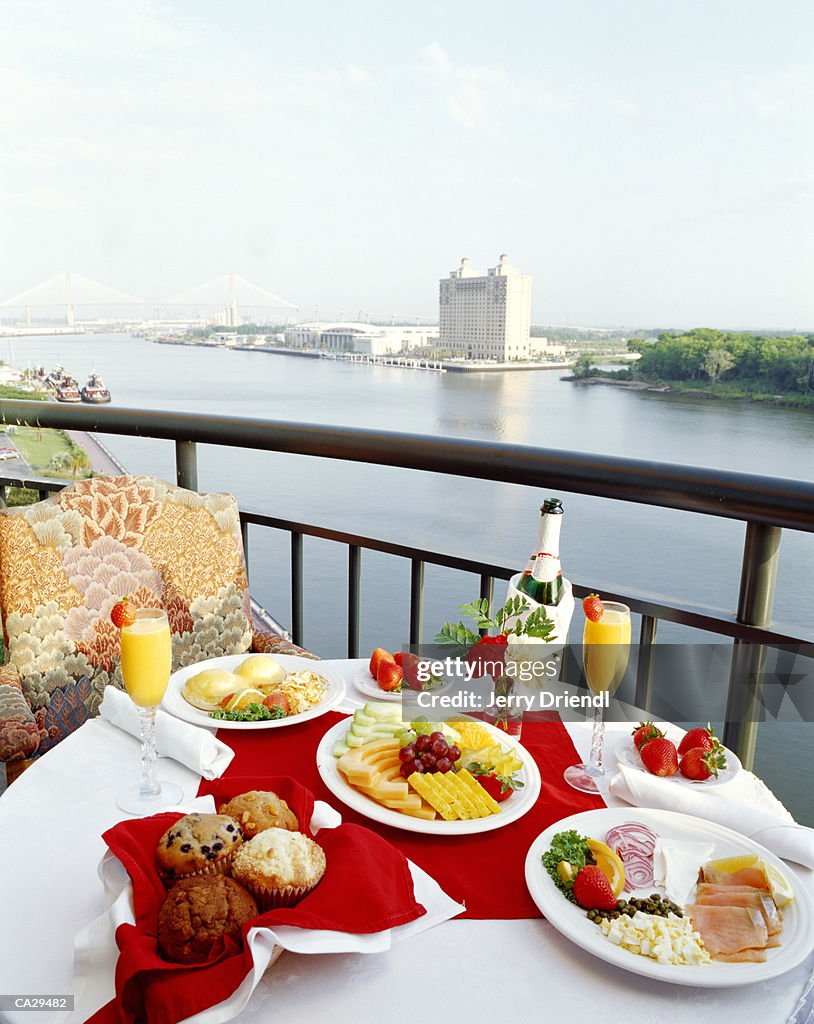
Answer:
(745, 805)
(95, 951)
(196, 748)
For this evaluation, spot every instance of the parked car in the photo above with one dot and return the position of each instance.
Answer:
(9, 453)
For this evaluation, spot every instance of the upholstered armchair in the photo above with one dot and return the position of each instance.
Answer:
(65, 561)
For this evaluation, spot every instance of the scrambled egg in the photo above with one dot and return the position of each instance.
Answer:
(669, 940)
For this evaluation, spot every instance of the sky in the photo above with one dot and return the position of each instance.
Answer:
(647, 162)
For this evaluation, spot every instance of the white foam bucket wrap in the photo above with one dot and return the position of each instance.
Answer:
(560, 614)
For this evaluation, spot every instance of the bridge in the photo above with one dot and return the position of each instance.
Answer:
(70, 290)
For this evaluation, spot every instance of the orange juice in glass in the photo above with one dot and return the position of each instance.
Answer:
(146, 660)
(606, 650)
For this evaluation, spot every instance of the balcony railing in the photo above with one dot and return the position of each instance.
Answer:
(766, 505)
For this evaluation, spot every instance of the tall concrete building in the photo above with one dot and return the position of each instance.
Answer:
(486, 317)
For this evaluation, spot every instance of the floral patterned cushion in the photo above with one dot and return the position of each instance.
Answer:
(64, 563)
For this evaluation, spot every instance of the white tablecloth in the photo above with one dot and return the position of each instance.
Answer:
(51, 820)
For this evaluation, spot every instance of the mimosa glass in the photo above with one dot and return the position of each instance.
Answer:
(146, 652)
(606, 650)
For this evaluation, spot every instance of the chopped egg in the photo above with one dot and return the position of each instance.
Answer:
(669, 940)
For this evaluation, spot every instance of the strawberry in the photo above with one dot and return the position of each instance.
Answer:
(488, 655)
(592, 890)
(704, 738)
(410, 664)
(644, 732)
(499, 787)
(123, 614)
(698, 764)
(389, 675)
(593, 607)
(398, 657)
(379, 655)
(660, 757)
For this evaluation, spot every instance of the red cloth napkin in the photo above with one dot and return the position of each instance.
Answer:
(367, 887)
(485, 871)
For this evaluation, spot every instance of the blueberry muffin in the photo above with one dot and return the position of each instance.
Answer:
(198, 844)
(199, 911)
(258, 810)
(279, 867)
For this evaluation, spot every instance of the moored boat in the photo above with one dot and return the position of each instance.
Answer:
(68, 390)
(95, 391)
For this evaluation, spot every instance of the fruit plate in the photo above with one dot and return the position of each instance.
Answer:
(175, 704)
(798, 916)
(367, 685)
(627, 754)
(515, 807)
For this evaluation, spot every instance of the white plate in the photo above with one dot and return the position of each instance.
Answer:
(367, 685)
(515, 807)
(176, 705)
(798, 917)
(626, 753)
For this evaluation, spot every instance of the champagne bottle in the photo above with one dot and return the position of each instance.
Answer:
(542, 577)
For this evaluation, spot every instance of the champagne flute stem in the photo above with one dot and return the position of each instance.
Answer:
(149, 784)
(595, 759)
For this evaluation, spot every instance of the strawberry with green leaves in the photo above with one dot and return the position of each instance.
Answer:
(699, 764)
(499, 787)
(592, 890)
(644, 732)
(660, 757)
(700, 737)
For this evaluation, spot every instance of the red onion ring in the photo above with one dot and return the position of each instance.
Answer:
(634, 843)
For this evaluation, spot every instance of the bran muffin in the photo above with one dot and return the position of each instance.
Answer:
(199, 911)
(258, 810)
(198, 844)
(279, 867)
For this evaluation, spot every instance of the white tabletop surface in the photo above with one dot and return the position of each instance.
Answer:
(51, 821)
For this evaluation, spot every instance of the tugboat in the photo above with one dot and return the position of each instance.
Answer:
(68, 390)
(95, 391)
(54, 378)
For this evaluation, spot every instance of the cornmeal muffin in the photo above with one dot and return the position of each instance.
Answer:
(279, 867)
(198, 844)
(258, 810)
(197, 912)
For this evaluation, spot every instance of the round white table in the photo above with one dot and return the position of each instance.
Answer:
(51, 821)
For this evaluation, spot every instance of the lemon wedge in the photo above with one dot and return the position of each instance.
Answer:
(782, 892)
(242, 700)
(609, 864)
(565, 871)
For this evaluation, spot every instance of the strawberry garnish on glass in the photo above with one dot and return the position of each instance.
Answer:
(123, 613)
(593, 607)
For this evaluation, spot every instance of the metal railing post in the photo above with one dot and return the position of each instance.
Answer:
(758, 577)
(644, 664)
(244, 534)
(416, 601)
(296, 588)
(186, 464)
(354, 598)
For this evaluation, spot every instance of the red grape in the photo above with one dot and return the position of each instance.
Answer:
(422, 743)
(436, 736)
(407, 770)
(453, 754)
(428, 759)
(407, 753)
(417, 766)
(443, 764)
(440, 748)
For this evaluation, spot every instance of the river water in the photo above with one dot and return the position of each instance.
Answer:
(611, 545)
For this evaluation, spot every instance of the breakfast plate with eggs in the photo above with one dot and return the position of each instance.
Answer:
(253, 691)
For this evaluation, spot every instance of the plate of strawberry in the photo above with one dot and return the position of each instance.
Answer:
(388, 675)
(696, 757)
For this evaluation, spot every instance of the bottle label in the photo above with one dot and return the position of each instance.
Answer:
(546, 568)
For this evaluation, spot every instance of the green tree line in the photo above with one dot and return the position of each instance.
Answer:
(754, 362)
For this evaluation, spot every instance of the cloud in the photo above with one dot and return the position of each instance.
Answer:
(476, 95)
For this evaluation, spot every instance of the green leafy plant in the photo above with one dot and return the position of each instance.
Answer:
(505, 620)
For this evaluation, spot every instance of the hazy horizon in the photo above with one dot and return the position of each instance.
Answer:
(647, 164)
